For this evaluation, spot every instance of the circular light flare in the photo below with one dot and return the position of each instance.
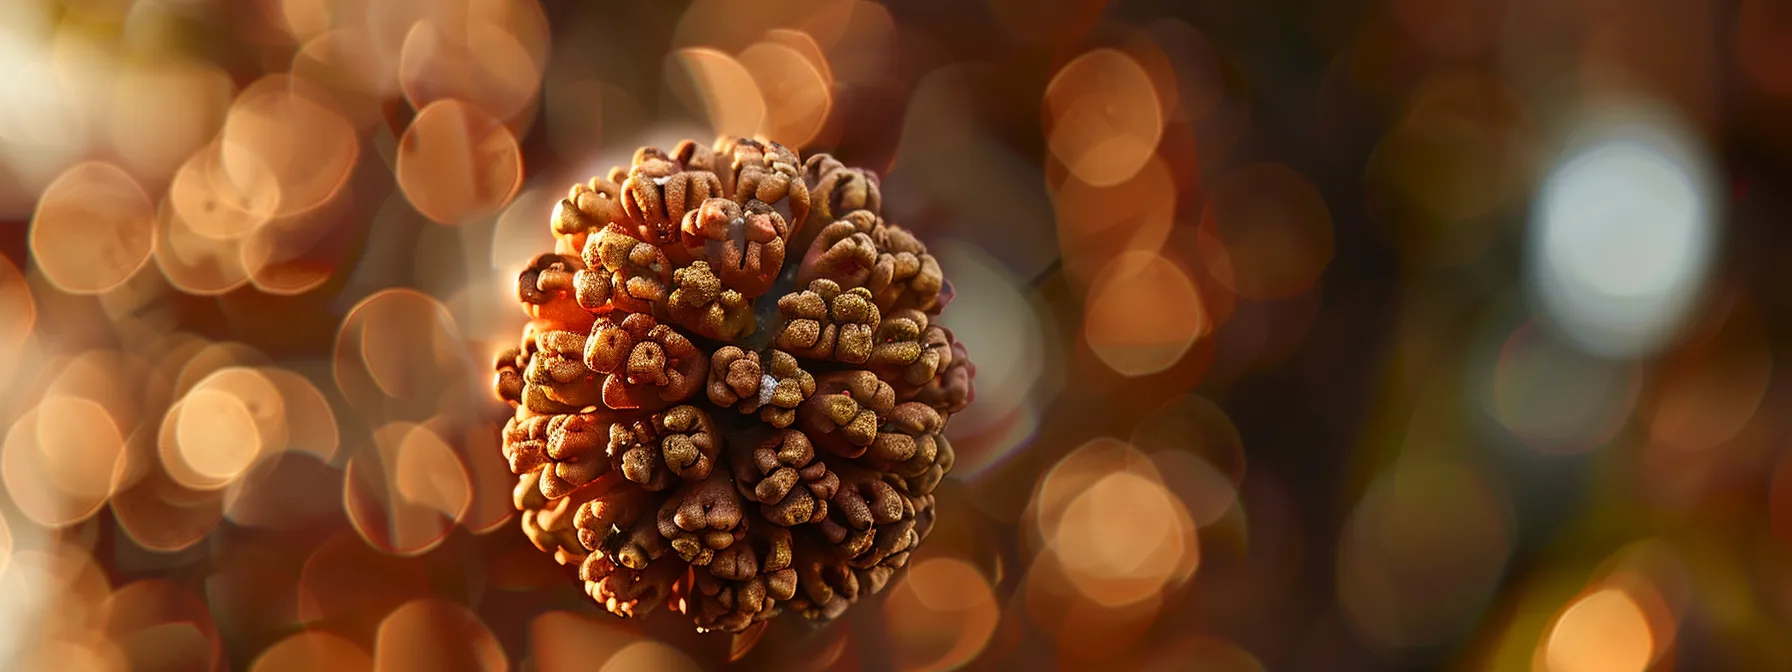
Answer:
(430, 473)
(212, 442)
(941, 616)
(198, 233)
(432, 634)
(160, 114)
(62, 460)
(406, 514)
(471, 61)
(284, 149)
(5, 546)
(457, 162)
(161, 621)
(1123, 539)
(226, 422)
(720, 87)
(336, 63)
(1143, 314)
(650, 655)
(1602, 631)
(1103, 116)
(399, 346)
(797, 94)
(1097, 224)
(18, 315)
(1623, 234)
(309, 650)
(92, 228)
(310, 422)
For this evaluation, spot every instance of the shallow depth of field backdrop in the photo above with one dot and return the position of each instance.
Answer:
(1310, 334)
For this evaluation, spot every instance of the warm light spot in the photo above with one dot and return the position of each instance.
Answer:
(563, 641)
(161, 113)
(430, 473)
(1083, 631)
(295, 254)
(1605, 631)
(5, 546)
(215, 439)
(494, 487)
(1556, 398)
(1276, 228)
(197, 231)
(1143, 314)
(718, 86)
(159, 623)
(310, 650)
(400, 349)
(406, 494)
(92, 228)
(340, 64)
(457, 162)
(1096, 224)
(650, 655)
(284, 150)
(1123, 539)
(1074, 473)
(311, 424)
(473, 62)
(436, 635)
(18, 315)
(62, 459)
(352, 587)
(1103, 119)
(797, 97)
(157, 512)
(941, 616)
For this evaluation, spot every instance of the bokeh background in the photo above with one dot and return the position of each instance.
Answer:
(1310, 334)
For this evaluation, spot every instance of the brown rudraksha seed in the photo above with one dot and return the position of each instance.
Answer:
(639, 271)
(658, 193)
(702, 517)
(836, 189)
(740, 379)
(568, 449)
(782, 474)
(843, 251)
(732, 393)
(587, 208)
(950, 390)
(846, 411)
(824, 322)
(544, 289)
(557, 374)
(702, 304)
(744, 244)
(647, 365)
(764, 171)
(549, 522)
(507, 378)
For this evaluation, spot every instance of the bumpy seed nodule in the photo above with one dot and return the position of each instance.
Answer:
(731, 392)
